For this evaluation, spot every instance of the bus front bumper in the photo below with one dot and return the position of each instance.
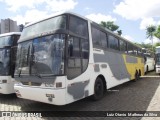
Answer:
(6, 85)
(45, 95)
(157, 69)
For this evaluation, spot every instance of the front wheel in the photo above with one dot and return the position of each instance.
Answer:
(98, 89)
(136, 76)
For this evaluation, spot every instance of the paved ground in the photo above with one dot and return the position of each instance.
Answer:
(131, 96)
(152, 73)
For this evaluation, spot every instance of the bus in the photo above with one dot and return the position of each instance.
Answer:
(149, 58)
(67, 57)
(8, 48)
(157, 60)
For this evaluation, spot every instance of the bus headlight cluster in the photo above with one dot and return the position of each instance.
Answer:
(49, 85)
(4, 81)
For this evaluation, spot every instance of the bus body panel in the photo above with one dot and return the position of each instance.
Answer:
(157, 58)
(7, 88)
(45, 95)
(46, 92)
(150, 63)
(158, 69)
(115, 66)
(120, 68)
(8, 61)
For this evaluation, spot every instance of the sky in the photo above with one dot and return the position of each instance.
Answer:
(132, 16)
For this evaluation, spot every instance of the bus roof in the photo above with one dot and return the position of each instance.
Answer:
(60, 13)
(11, 33)
(53, 15)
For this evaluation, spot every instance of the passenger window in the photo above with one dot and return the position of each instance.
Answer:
(99, 38)
(96, 37)
(113, 42)
(139, 51)
(103, 39)
(123, 46)
(135, 50)
(130, 48)
(78, 26)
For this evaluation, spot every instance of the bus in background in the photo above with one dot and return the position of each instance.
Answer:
(66, 57)
(158, 59)
(149, 58)
(8, 49)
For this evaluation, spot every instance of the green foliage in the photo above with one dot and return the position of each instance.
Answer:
(157, 32)
(148, 46)
(150, 31)
(157, 44)
(109, 25)
(119, 32)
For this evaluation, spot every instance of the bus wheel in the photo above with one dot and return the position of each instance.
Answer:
(139, 74)
(136, 76)
(147, 70)
(98, 89)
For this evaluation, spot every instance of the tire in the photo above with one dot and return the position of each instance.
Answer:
(136, 76)
(139, 74)
(98, 89)
(147, 70)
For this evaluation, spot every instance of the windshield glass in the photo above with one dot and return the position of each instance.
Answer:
(41, 56)
(5, 41)
(51, 24)
(4, 61)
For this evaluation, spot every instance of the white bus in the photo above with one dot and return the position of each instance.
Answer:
(8, 48)
(149, 58)
(66, 57)
(158, 59)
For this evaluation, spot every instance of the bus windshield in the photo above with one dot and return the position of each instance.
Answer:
(4, 61)
(5, 41)
(43, 56)
(51, 24)
(5, 54)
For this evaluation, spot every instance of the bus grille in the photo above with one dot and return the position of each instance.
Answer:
(31, 83)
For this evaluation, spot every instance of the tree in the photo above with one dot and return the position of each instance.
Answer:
(109, 25)
(103, 24)
(157, 32)
(119, 32)
(150, 30)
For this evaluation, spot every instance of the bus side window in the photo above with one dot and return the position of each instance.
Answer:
(74, 58)
(78, 56)
(130, 49)
(123, 46)
(78, 26)
(113, 42)
(99, 38)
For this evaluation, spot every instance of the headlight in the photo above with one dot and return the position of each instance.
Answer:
(49, 85)
(4, 81)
